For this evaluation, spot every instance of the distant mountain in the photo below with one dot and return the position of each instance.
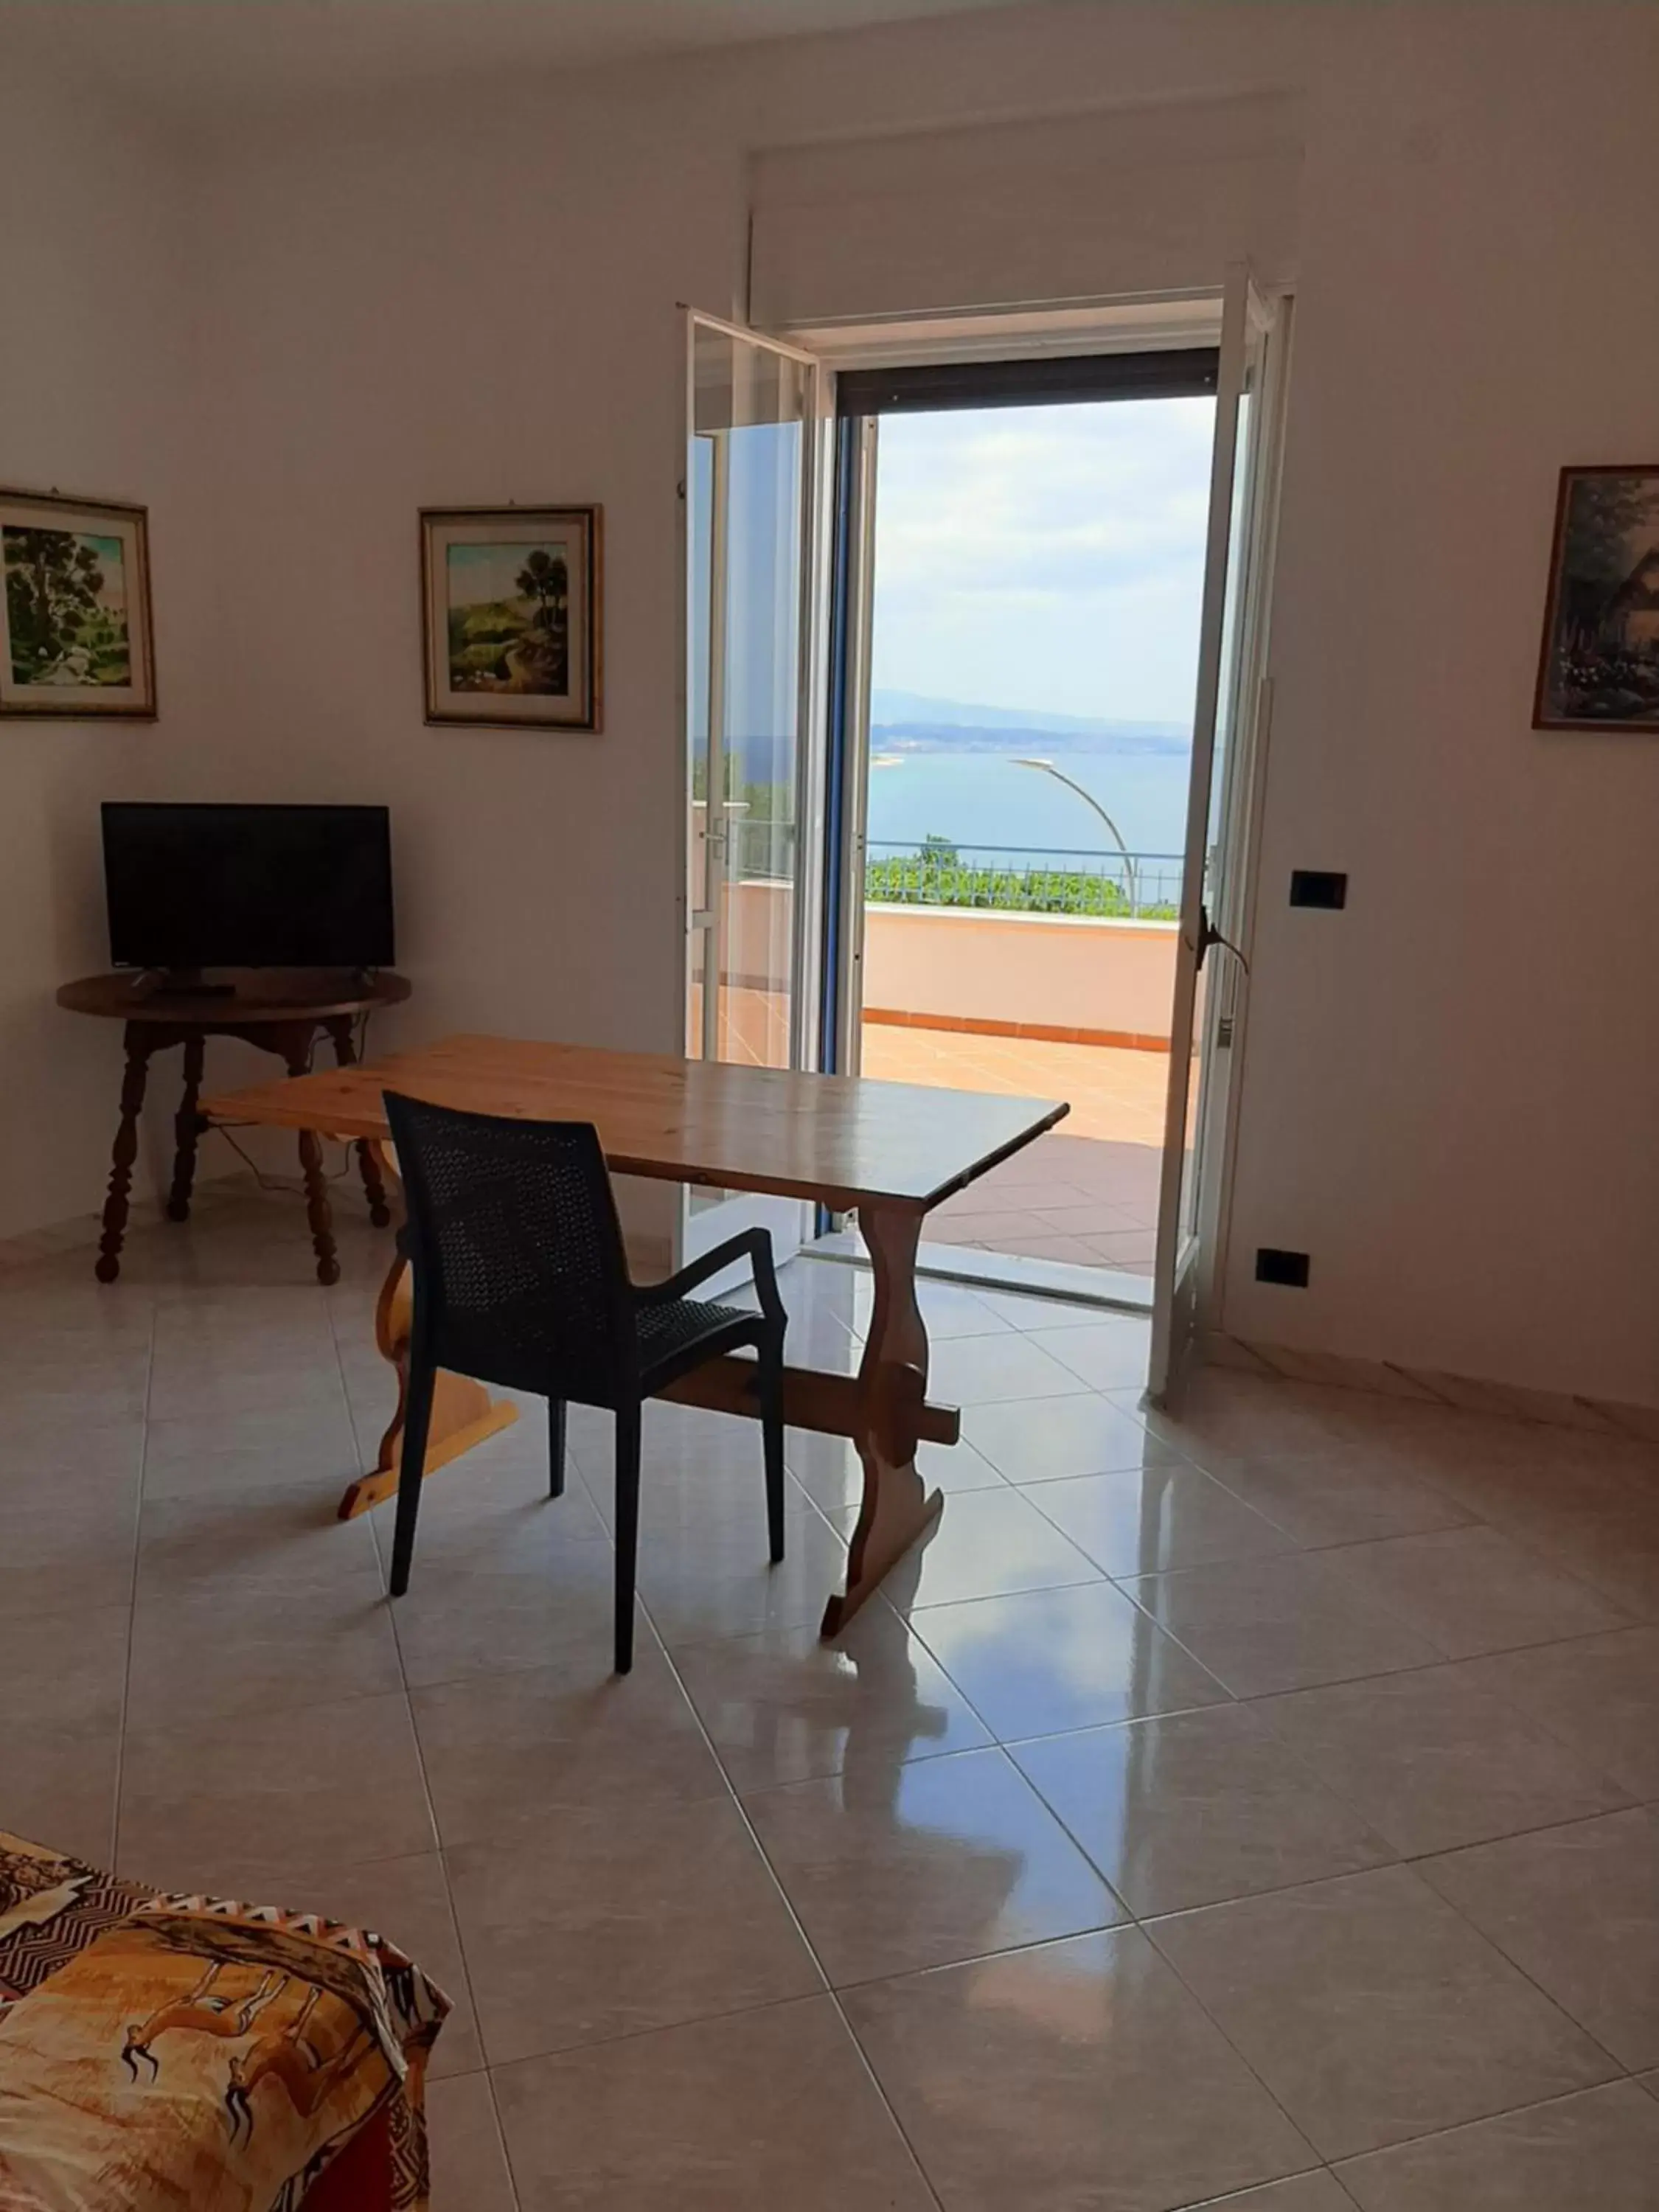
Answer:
(911, 722)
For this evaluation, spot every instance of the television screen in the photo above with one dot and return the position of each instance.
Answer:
(248, 886)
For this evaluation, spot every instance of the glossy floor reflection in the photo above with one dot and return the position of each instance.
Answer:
(1253, 1806)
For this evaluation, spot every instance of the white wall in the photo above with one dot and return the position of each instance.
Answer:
(94, 354)
(1051, 971)
(1451, 1089)
(1449, 1093)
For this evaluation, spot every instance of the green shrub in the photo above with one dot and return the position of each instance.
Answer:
(936, 877)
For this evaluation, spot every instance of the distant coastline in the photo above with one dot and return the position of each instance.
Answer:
(911, 722)
(948, 768)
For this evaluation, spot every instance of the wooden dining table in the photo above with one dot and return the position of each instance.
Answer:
(888, 1152)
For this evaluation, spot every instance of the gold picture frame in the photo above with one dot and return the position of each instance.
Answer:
(76, 634)
(512, 602)
(1598, 667)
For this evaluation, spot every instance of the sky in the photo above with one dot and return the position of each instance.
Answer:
(111, 560)
(480, 575)
(1044, 557)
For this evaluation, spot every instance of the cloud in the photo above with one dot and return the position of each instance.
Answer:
(1048, 556)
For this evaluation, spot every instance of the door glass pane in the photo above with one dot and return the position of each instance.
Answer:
(745, 490)
(1215, 840)
(1206, 983)
(699, 515)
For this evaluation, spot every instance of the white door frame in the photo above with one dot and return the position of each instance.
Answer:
(1162, 323)
(1244, 789)
(789, 1220)
(1188, 317)
(1232, 681)
(854, 739)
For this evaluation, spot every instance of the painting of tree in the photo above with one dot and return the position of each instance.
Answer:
(545, 578)
(1609, 520)
(1599, 668)
(512, 628)
(65, 607)
(74, 626)
(508, 618)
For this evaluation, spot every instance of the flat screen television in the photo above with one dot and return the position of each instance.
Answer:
(193, 887)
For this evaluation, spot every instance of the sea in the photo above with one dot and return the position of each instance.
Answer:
(951, 769)
(983, 797)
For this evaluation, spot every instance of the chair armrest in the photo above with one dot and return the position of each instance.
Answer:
(754, 1245)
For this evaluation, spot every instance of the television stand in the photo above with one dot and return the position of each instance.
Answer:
(283, 1011)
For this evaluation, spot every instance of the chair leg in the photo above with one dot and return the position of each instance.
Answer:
(628, 1528)
(771, 1398)
(556, 1447)
(417, 1419)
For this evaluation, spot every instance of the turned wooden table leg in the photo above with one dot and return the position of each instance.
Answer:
(345, 1052)
(463, 1412)
(124, 1152)
(897, 1507)
(186, 1127)
(295, 1050)
(317, 1212)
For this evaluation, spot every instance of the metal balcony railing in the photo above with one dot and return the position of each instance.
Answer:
(999, 878)
(1024, 879)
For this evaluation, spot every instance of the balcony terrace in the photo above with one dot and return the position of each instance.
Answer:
(1041, 975)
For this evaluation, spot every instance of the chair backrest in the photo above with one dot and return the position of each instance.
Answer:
(520, 1273)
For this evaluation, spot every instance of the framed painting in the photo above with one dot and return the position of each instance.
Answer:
(1599, 665)
(77, 639)
(512, 614)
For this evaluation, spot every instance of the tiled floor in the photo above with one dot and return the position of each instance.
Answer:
(1261, 1806)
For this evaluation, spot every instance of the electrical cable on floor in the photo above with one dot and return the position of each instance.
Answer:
(278, 1182)
(293, 1189)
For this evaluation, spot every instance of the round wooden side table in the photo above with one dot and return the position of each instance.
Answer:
(281, 1010)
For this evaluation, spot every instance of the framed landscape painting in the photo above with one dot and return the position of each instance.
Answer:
(512, 614)
(1599, 667)
(77, 639)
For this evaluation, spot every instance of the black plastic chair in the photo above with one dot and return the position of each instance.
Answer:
(522, 1279)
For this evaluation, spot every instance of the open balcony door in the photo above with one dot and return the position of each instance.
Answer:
(1231, 692)
(756, 429)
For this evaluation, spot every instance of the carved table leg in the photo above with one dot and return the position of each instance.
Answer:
(463, 1412)
(317, 1207)
(339, 1027)
(186, 1127)
(125, 1152)
(295, 1049)
(897, 1507)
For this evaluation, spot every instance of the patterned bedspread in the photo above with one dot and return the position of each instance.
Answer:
(188, 2054)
